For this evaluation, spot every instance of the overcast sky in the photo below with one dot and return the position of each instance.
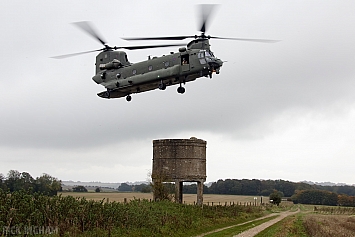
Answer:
(276, 111)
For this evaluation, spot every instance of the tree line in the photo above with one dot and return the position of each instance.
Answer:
(16, 181)
(297, 192)
(249, 187)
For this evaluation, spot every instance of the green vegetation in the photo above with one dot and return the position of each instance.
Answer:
(16, 181)
(144, 188)
(317, 197)
(79, 189)
(275, 197)
(81, 217)
(27, 201)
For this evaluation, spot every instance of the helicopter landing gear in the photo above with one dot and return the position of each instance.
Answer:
(128, 98)
(162, 85)
(181, 90)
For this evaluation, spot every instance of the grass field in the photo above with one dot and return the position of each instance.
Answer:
(187, 198)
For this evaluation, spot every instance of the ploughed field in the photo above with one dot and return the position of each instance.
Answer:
(217, 199)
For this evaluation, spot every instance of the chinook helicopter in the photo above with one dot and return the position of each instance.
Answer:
(122, 78)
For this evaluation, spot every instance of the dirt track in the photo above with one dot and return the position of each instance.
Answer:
(254, 231)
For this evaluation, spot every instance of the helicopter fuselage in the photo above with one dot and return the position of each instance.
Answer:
(122, 78)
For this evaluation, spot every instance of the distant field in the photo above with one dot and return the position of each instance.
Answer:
(187, 198)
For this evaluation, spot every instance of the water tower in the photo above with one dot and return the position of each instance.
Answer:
(180, 160)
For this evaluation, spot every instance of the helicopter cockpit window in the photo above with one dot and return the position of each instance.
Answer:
(201, 57)
(205, 54)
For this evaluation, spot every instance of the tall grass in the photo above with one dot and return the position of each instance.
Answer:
(79, 216)
(329, 225)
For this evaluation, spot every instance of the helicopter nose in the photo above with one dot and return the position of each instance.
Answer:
(219, 62)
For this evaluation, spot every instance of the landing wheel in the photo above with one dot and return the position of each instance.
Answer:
(128, 98)
(181, 90)
(162, 86)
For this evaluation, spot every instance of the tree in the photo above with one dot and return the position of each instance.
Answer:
(80, 189)
(276, 197)
(146, 189)
(27, 182)
(48, 185)
(125, 188)
(2, 182)
(13, 180)
(97, 190)
(317, 197)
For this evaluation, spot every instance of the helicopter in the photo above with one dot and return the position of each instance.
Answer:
(122, 78)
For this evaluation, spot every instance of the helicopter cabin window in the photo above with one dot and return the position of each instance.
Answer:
(185, 59)
(166, 64)
(134, 71)
(150, 67)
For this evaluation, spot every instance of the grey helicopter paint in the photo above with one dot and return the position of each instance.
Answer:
(122, 78)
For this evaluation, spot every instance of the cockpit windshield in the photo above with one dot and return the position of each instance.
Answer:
(208, 54)
(205, 54)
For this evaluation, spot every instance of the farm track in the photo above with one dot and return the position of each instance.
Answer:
(254, 231)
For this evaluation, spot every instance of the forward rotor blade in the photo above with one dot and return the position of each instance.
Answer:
(74, 54)
(160, 38)
(206, 11)
(86, 26)
(242, 39)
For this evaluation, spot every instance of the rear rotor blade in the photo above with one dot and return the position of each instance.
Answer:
(74, 54)
(160, 38)
(86, 26)
(147, 46)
